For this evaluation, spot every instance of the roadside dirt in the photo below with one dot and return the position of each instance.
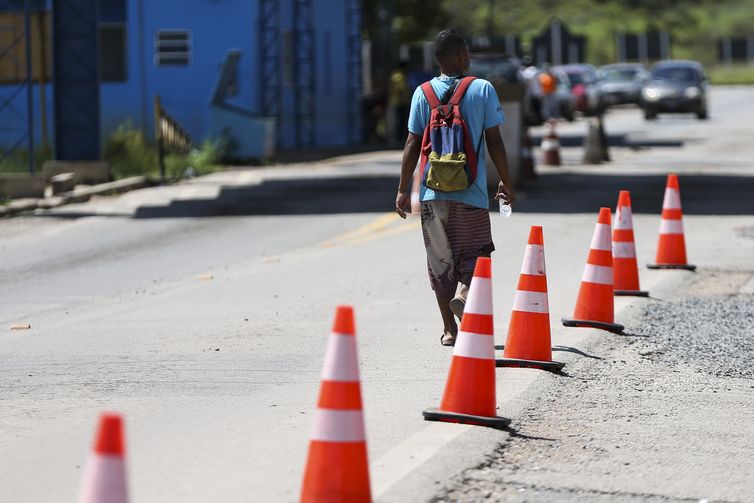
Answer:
(663, 414)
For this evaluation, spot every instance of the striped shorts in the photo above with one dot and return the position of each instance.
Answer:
(455, 235)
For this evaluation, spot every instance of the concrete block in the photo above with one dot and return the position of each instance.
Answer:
(18, 185)
(86, 172)
(63, 182)
(22, 205)
(83, 194)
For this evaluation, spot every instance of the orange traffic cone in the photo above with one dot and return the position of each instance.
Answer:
(104, 479)
(551, 145)
(671, 250)
(469, 395)
(337, 469)
(625, 269)
(594, 305)
(528, 343)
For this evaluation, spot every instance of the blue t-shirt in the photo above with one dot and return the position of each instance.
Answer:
(480, 108)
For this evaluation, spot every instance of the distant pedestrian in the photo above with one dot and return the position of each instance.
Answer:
(548, 84)
(455, 212)
(399, 99)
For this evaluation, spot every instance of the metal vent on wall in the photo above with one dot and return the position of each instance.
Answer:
(172, 48)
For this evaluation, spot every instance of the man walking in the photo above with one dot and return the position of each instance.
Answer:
(549, 85)
(455, 223)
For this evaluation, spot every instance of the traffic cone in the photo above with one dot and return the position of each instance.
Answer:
(671, 249)
(594, 305)
(625, 269)
(551, 145)
(528, 343)
(337, 469)
(469, 395)
(104, 479)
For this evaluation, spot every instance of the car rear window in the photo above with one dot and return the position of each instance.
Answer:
(675, 73)
(619, 75)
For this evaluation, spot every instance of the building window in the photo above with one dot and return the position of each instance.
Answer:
(172, 48)
(113, 55)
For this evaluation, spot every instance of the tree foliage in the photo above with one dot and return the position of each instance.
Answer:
(694, 25)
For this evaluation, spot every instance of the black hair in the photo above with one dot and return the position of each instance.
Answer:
(447, 45)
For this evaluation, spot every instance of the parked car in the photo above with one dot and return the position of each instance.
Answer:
(495, 66)
(675, 86)
(584, 87)
(621, 83)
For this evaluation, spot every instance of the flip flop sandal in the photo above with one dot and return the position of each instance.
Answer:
(457, 305)
(448, 340)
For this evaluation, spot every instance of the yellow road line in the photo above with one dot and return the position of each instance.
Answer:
(383, 225)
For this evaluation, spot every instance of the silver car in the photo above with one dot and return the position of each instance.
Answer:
(675, 87)
(621, 83)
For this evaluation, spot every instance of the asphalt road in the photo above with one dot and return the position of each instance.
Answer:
(218, 377)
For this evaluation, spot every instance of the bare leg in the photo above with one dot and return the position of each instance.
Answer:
(458, 303)
(449, 323)
(463, 291)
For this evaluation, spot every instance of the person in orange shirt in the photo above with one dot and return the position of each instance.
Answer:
(548, 84)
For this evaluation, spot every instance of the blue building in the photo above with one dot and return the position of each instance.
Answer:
(297, 62)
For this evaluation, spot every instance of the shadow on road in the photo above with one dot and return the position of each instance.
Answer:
(552, 193)
(617, 140)
(586, 193)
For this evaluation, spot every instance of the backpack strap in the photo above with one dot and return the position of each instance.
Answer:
(430, 94)
(461, 90)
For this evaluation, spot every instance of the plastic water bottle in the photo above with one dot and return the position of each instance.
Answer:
(505, 208)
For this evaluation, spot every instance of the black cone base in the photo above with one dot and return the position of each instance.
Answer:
(435, 414)
(535, 364)
(610, 327)
(631, 293)
(687, 267)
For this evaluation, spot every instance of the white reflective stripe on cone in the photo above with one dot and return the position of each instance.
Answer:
(624, 249)
(471, 345)
(598, 274)
(534, 261)
(479, 300)
(104, 479)
(671, 226)
(601, 238)
(623, 219)
(530, 302)
(341, 363)
(672, 200)
(333, 425)
(550, 144)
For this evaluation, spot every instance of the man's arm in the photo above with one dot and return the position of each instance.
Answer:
(496, 148)
(410, 157)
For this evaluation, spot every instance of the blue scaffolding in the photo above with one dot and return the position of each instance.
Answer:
(269, 47)
(15, 122)
(76, 79)
(353, 70)
(304, 72)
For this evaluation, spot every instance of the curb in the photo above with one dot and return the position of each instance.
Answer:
(80, 195)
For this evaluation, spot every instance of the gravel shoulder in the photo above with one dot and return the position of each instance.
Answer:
(663, 414)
